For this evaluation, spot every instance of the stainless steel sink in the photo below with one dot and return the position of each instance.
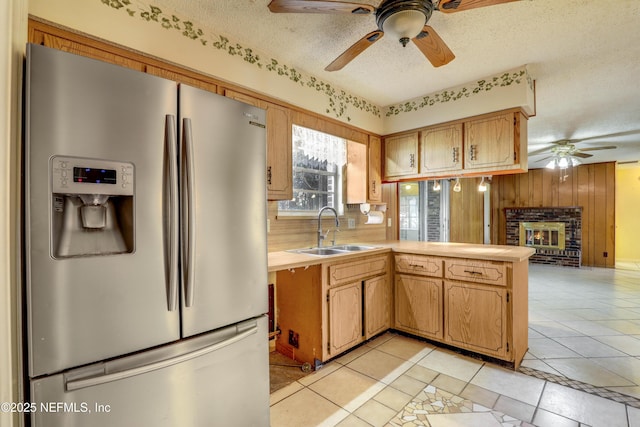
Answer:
(352, 248)
(320, 251)
(332, 250)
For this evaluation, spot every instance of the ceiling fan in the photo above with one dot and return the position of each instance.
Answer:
(405, 20)
(564, 152)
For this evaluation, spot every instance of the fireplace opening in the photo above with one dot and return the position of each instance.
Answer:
(545, 235)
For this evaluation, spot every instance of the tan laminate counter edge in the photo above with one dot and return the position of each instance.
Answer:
(283, 260)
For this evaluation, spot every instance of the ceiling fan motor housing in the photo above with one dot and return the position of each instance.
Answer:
(389, 8)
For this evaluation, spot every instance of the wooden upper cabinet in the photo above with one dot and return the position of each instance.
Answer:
(492, 141)
(401, 156)
(356, 172)
(279, 168)
(441, 149)
(375, 175)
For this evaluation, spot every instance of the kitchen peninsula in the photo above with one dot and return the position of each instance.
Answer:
(467, 296)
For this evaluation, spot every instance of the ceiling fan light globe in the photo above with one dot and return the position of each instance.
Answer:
(563, 163)
(404, 24)
(552, 164)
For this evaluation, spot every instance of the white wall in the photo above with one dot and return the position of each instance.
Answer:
(13, 18)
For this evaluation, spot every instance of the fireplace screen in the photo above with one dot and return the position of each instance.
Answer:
(547, 235)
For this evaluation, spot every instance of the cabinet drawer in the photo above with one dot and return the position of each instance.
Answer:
(490, 272)
(419, 264)
(357, 270)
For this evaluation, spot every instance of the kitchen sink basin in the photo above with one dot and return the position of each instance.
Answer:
(320, 251)
(352, 248)
(332, 250)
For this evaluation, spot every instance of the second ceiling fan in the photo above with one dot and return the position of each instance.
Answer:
(405, 20)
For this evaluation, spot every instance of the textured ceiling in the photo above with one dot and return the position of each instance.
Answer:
(583, 54)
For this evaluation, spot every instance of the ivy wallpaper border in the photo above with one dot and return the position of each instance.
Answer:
(450, 95)
(338, 100)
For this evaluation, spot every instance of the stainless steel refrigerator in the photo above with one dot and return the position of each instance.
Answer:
(145, 249)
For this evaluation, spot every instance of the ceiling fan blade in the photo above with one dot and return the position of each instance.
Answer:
(433, 47)
(356, 49)
(545, 159)
(314, 6)
(540, 151)
(608, 147)
(449, 6)
(582, 155)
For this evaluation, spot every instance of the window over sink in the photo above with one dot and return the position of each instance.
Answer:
(318, 161)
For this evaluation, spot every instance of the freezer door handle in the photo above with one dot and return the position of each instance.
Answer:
(174, 254)
(77, 384)
(189, 211)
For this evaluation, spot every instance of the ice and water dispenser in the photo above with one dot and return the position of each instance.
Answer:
(92, 207)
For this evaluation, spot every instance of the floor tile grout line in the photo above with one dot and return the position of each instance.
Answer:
(603, 392)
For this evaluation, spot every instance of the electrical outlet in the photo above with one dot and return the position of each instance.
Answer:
(351, 223)
(293, 339)
(388, 222)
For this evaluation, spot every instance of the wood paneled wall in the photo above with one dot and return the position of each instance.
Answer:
(466, 212)
(591, 187)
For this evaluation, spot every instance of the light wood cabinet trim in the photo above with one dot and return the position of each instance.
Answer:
(357, 270)
(345, 317)
(401, 155)
(377, 316)
(356, 171)
(375, 165)
(419, 264)
(490, 142)
(476, 271)
(476, 318)
(441, 149)
(418, 306)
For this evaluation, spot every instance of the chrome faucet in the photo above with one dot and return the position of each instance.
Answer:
(321, 236)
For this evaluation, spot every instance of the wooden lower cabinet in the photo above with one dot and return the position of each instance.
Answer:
(326, 309)
(473, 304)
(377, 313)
(418, 305)
(476, 318)
(344, 305)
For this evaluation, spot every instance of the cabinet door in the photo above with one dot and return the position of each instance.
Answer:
(376, 306)
(375, 182)
(441, 149)
(476, 317)
(345, 317)
(489, 141)
(356, 172)
(279, 168)
(419, 305)
(401, 155)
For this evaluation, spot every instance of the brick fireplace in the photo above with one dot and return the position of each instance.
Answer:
(555, 233)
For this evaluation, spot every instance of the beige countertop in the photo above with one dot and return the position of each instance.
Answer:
(283, 260)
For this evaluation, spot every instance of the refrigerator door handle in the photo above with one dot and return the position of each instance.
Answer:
(174, 254)
(189, 216)
(161, 364)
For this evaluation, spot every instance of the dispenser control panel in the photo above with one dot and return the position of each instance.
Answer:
(77, 175)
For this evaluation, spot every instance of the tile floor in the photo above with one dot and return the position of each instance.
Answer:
(582, 369)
